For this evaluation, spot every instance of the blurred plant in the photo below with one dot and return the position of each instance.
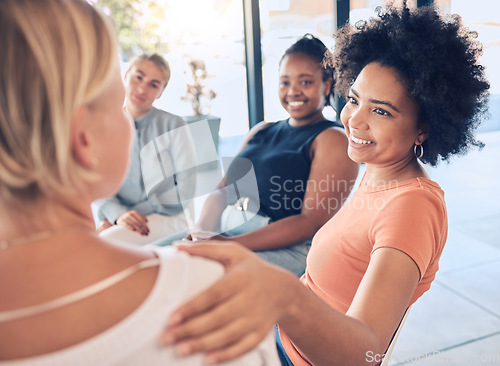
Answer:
(196, 91)
(138, 24)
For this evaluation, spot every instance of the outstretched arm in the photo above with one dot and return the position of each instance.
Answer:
(235, 314)
(212, 210)
(331, 165)
(216, 202)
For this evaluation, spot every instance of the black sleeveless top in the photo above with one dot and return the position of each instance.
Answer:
(279, 155)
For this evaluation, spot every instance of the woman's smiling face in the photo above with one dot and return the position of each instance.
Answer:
(380, 119)
(144, 83)
(302, 90)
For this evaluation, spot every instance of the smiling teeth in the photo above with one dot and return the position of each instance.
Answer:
(295, 104)
(360, 141)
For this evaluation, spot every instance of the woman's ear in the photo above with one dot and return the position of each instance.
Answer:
(81, 139)
(328, 86)
(422, 137)
(423, 133)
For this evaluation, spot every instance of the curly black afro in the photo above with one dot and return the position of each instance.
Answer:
(436, 57)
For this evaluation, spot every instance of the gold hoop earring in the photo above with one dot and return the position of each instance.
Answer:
(419, 156)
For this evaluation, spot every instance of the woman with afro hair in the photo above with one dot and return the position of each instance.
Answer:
(415, 93)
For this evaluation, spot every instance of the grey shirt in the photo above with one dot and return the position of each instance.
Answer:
(162, 172)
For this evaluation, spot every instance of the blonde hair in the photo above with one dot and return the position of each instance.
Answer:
(57, 55)
(155, 58)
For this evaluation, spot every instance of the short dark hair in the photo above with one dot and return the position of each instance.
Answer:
(313, 47)
(436, 57)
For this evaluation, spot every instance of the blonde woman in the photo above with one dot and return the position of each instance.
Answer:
(155, 198)
(68, 297)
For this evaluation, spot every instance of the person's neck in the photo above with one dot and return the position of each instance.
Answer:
(379, 175)
(136, 113)
(309, 120)
(44, 216)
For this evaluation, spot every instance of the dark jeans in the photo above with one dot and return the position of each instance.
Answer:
(285, 361)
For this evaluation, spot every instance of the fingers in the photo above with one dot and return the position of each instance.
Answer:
(226, 253)
(224, 330)
(103, 226)
(202, 306)
(233, 315)
(245, 344)
(138, 219)
(221, 343)
(203, 331)
(134, 221)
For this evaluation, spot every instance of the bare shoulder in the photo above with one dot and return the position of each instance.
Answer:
(329, 149)
(258, 127)
(331, 139)
(334, 133)
(70, 269)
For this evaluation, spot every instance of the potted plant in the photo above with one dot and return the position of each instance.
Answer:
(196, 92)
(199, 95)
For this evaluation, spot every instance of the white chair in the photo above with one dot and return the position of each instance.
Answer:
(388, 353)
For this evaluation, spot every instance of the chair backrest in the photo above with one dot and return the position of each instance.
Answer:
(387, 356)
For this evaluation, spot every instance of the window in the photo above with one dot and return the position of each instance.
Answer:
(182, 31)
(282, 23)
(365, 9)
(483, 16)
(212, 31)
(478, 15)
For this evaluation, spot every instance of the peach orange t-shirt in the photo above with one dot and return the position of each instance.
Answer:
(409, 216)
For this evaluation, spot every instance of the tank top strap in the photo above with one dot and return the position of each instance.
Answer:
(78, 295)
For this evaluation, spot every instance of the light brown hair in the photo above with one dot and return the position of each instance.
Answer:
(57, 55)
(158, 60)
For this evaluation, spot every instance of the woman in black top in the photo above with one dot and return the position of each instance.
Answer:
(290, 176)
